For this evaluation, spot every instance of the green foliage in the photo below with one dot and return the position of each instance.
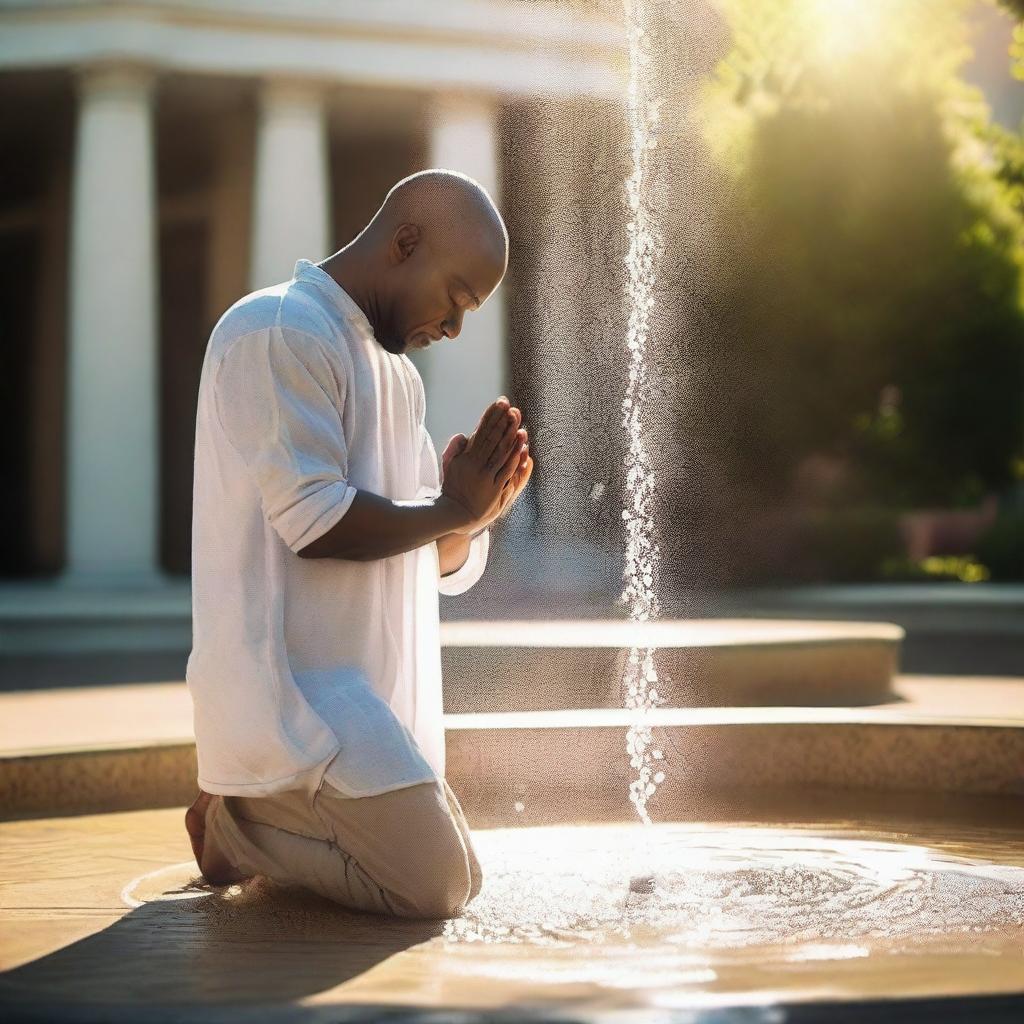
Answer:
(876, 240)
(1014, 7)
(1001, 547)
(1017, 51)
(935, 568)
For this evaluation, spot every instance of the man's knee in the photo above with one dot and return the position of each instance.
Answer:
(441, 889)
(440, 904)
(477, 882)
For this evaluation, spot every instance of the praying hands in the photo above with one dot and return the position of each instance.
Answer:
(520, 477)
(453, 548)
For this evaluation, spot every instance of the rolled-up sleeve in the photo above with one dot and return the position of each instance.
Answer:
(279, 399)
(471, 570)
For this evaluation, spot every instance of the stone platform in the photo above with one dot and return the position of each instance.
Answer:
(546, 665)
(123, 747)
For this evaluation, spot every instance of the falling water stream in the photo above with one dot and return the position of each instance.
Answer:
(641, 556)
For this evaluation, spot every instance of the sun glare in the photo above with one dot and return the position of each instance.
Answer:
(842, 29)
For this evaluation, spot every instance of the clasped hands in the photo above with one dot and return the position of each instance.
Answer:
(487, 471)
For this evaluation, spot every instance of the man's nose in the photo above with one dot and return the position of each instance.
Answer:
(453, 326)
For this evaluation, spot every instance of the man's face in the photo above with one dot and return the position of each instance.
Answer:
(431, 292)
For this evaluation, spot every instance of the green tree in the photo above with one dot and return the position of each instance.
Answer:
(876, 245)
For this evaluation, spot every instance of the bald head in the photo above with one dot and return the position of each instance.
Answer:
(451, 208)
(436, 249)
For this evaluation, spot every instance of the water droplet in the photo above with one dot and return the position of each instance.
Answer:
(642, 884)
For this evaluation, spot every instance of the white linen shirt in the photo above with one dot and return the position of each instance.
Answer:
(299, 666)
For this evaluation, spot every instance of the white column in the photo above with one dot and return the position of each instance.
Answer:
(291, 210)
(462, 376)
(112, 441)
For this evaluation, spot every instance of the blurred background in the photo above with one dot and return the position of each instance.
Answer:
(836, 409)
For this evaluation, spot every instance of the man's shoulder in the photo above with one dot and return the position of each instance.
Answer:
(414, 372)
(418, 386)
(280, 308)
(248, 315)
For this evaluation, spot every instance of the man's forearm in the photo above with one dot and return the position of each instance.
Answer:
(377, 527)
(452, 552)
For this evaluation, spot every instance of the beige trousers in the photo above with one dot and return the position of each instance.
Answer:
(407, 852)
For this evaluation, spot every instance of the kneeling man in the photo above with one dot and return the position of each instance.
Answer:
(323, 532)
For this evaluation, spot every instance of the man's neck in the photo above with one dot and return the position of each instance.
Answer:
(347, 266)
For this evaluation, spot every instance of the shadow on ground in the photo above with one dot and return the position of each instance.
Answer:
(201, 947)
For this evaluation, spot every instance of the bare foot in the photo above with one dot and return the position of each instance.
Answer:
(195, 824)
(213, 865)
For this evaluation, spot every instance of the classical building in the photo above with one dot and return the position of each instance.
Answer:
(163, 157)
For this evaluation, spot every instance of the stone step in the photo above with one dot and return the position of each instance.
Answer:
(550, 665)
(119, 748)
(50, 617)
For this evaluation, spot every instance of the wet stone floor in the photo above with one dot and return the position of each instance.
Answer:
(715, 915)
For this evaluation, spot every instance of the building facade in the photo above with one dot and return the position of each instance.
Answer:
(163, 157)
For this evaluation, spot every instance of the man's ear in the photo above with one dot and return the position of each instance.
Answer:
(404, 242)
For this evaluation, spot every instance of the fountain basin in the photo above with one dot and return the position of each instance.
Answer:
(864, 861)
(822, 909)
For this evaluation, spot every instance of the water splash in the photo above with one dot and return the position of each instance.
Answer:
(642, 552)
(786, 895)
